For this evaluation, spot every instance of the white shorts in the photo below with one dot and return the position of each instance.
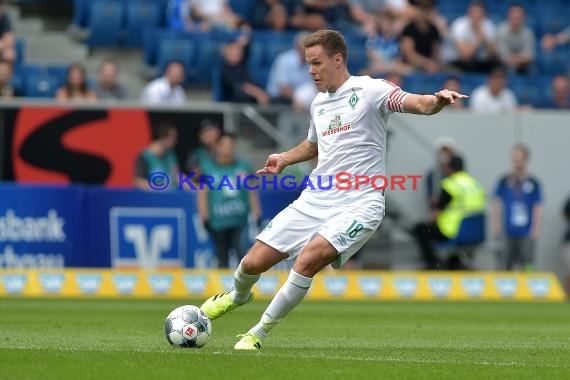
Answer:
(346, 227)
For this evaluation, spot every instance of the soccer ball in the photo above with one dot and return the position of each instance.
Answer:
(187, 326)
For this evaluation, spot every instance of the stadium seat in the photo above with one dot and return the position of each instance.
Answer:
(151, 41)
(218, 94)
(80, 13)
(105, 23)
(471, 234)
(39, 85)
(175, 49)
(357, 58)
(140, 15)
(207, 55)
(264, 48)
(20, 51)
(553, 62)
(244, 8)
(58, 71)
(552, 18)
(17, 82)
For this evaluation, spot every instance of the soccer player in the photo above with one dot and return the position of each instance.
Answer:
(348, 125)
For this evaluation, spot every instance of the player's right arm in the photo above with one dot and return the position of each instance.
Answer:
(275, 163)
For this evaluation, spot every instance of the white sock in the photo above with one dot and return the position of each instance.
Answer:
(290, 295)
(242, 284)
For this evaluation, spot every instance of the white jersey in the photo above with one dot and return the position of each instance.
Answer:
(350, 127)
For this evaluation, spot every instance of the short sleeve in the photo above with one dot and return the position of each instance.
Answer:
(312, 135)
(538, 192)
(386, 96)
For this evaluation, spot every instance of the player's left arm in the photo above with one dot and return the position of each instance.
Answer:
(430, 104)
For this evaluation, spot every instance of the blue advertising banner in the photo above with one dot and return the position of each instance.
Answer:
(143, 229)
(41, 227)
(81, 226)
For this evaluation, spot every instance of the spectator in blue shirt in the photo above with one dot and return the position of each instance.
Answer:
(288, 72)
(179, 15)
(517, 212)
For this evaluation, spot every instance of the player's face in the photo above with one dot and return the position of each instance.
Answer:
(322, 67)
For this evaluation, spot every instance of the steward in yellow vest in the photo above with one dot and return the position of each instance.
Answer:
(461, 196)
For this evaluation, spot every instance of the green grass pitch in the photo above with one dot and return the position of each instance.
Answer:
(123, 339)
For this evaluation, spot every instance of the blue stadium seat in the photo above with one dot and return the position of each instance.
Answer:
(357, 58)
(20, 51)
(470, 81)
(553, 62)
(265, 46)
(140, 15)
(58, 71)
(244, 8)
(80, 13)
(176, 49)
(38, 85)
(552, 18)
(207, 56)
(18, 82)
(105, 23)
(471, 233)
(218, 93)
(151, 42)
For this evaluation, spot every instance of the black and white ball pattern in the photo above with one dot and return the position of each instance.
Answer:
(188, 326)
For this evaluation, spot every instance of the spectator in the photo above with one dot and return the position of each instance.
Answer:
(158, 156)
(235, 77)
(566, 246)
(434, 16)
(288, 72)
(516, 41)
(303, 97)
(292, 125)
(383, 48)
(322, 14)
(445, 148)
(272, 14)
(224, 208)
(208, 136)
(216, 14)
(560, 94)
(517, 212)
(474, 38)
(421, 41)
(364, 13)
(179, 16)
(461, 195)
(108, 88)
(454, 84)
(168, 88)
(7, 91)
(494, 96)
(7, 38)
(550, 41)
(76, 87)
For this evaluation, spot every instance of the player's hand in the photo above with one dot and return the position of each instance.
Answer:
(448, 96)
(274, 165)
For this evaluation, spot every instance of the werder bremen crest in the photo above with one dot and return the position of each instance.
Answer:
(353, 100)
(335, 123)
